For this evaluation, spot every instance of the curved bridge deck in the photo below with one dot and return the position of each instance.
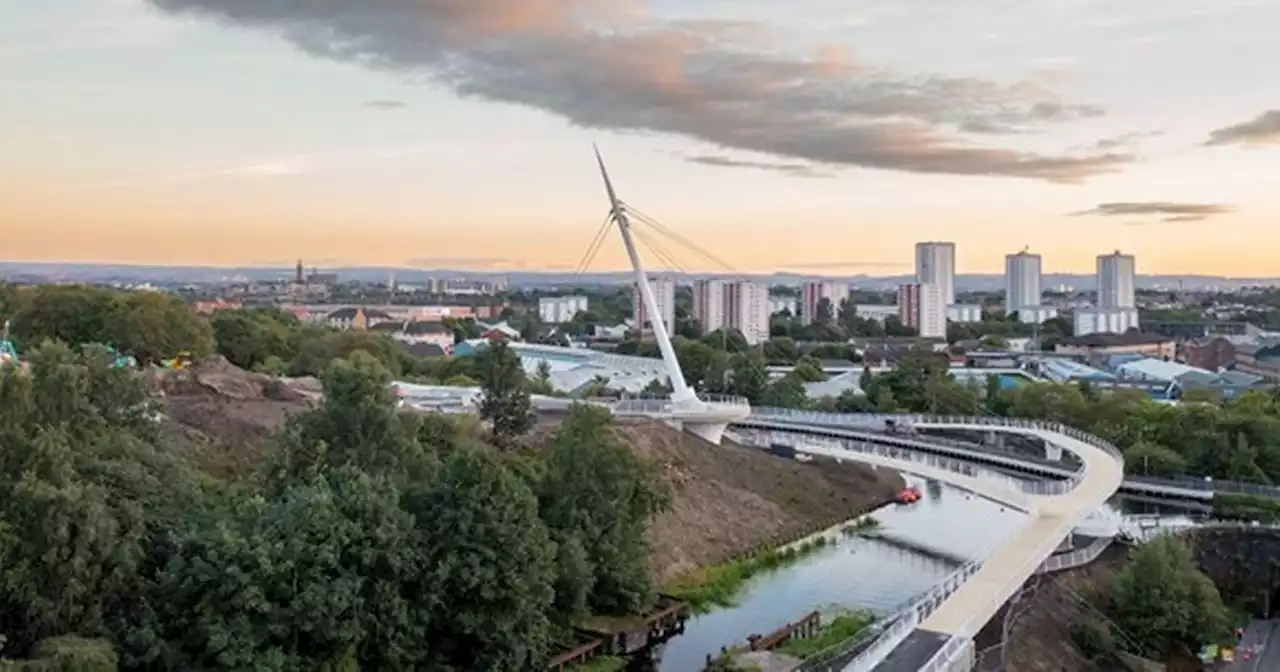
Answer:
(938, 635)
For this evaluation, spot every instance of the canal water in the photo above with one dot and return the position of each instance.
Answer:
(856, 572)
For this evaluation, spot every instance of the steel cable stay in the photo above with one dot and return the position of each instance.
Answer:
(594, 248)
(680, 239)
(664, 256)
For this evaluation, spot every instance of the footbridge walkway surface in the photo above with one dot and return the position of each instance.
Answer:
(872, 426)
(938, 635)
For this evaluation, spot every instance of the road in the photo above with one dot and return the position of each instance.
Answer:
(1261, 636)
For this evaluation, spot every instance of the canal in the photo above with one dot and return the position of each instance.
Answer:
(856, 572)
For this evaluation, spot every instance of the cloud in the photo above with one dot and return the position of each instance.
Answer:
(1127, 141)
(386, 105)
(797, 169)
(610, 65)
(1168, 212)
(1262, 131)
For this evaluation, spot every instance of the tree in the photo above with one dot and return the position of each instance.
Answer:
(823, 314)
(152, 326)
(809, 370)
(490, 562)
(1164, 603)
(748, 376)
(505, 399)
(726, 340)
(357, 424)
(589, 470)
(785, 392)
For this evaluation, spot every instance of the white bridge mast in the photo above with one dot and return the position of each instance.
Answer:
(681, 394)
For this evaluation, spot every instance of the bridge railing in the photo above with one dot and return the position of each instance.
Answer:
(660, 405)
(893, 629)
(1077, 558)
(959, 466)
(924, 420)
(787, 433)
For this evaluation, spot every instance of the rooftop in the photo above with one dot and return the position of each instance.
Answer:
(1102, 340)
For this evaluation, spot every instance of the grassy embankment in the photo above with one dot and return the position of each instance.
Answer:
(718, 585)
(842, 628)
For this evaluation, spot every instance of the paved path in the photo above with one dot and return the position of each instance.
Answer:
(974, 603)
(1261, 637)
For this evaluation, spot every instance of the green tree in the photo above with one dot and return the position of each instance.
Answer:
(785, 392)
(505, 399)
(1164, 603)
(809, 370)
(357, 424)
(748, 376)
(597, 497)
(490, 562)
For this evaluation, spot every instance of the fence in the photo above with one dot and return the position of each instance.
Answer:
(787, 434)
(891, 630)
(1077, 558)
(961, 641)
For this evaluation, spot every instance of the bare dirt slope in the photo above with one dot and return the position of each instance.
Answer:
(730, 498)
(223, 417)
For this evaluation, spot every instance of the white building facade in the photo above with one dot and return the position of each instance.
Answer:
(812, 293)
(1036, 314)
(777, 304)
(923, 307)
(1105, 320)
(1116, 273)
(738, 304)
(936, 265)
(560, 309)
(964, 313)
(1022, 273)
(664, 294)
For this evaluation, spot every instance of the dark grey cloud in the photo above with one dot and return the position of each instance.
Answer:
(386, 104)
(1261, 131)
(796, 169)
(1164, 210)
(604, 64)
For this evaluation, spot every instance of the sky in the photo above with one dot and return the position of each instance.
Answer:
(814, 136)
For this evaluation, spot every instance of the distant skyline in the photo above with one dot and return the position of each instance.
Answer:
(810, 137)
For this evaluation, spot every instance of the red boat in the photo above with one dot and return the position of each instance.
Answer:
(907, 495)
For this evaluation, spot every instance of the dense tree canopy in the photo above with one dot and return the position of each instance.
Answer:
(371, 539)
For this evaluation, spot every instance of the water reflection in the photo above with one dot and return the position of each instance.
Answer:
(856, 572)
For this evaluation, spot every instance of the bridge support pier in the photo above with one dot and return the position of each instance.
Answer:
(712, 432)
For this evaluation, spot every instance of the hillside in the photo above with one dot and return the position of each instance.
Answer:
(726, 499)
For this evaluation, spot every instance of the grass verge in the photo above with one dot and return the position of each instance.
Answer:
(842, 627)
(717, 585)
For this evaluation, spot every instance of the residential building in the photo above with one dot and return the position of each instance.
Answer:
(750, 313)
(417, 332)
(1105, 320)
(1036, 314)
(733, 304)
(1116, 274)
(936, 265)
(1021, 281)
(875, 311)
(711, 304)
(1098, 346)
(560, 309)
(812, 293)
(923, 307)
(964, 312)
(1212, 354)
(664, 294)
(356, 318)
